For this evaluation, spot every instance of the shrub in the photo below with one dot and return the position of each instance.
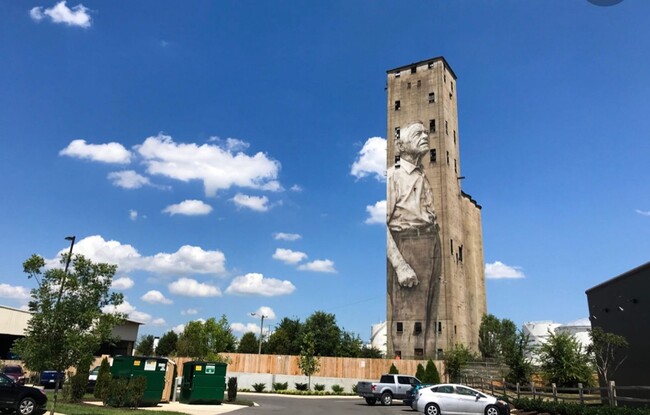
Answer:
(337, 388)
(419, 373)
(354, 388)
(116, 393)
(319, 387)
(393, 369)
(136, 389)
(78, 384)
(431, 374)
(302, 386)
(126, 392)
(103, 380)
(259, 387)
(232, 389)
(278, 386)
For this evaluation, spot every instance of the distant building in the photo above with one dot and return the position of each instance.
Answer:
(13, 323)
(539, 332)
(378, 336)
(622, 306)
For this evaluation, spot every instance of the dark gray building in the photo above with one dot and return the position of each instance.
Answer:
(622, 306)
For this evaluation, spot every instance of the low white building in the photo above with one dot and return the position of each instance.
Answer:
(539, 332)
(379, 337)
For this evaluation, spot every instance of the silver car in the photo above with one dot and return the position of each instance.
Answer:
(452, 399)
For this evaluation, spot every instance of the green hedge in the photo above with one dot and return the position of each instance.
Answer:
(565, 408)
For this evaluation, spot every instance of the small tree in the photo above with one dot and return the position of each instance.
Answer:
(563, 361)
(103, 380)
(167, 344)
(455, 360)
(419, 373)
(145, 346)
(607, 351)
(520, 368)
(248, 343)
(308, 363)
(431, 373)
(393, 369)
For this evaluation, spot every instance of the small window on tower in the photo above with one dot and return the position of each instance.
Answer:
(440, 327)
(432, 97)
(417, 329)
(397, 105)
(432, 155)
(441, 354)
(455, 166)
(396, 159)
(454, 136)
(432, 126)
(419, 352)
(444, 77)
(419, 83)
(397, 74)
(446, 123)
(451, 246)
(414, 69)
(447, 158)
(400, 327)
(452, 87)
(408, 85)
(398, 354)
(397, 133)
(460, 253)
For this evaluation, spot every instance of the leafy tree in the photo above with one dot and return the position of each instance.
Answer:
(167, 344)
(205, 340)
(103, 380)
(420, 374)
(325, 332)
(431, 374)
(563, 361)
(488, 337)
(393, 369)
(67, 323)
(308, 362)
(371, 353)
(145, 345)
(520, 368)
(607, 351)
(248, 343)
(350, 345)
(455, 360)
(286, 339)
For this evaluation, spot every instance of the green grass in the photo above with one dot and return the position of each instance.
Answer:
(85, 409)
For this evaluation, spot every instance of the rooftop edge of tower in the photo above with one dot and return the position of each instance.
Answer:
(436, 59)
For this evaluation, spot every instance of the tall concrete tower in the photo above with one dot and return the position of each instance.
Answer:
(455, 302)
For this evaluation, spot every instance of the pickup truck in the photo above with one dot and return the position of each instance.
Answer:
(388, 388)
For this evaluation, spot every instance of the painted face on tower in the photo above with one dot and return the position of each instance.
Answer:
(416, 140)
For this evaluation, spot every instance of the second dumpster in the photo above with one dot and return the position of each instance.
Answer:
(203, 382)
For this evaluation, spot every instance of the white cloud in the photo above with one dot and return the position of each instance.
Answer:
(128, 179)
(230, 144)
(155, 297)
(189, 312)
(187, 260)
(133, 214)
(499, 270)
(130, 311)
(60, 13)
(249, 327)
(122, 283)
(320, 265)
(296, 188)
(371, 160)
(159, 322)
(192, 288)
(281, 236)
(189, 208)
(643, 212)
(257, 203)
(376, 213)
(256, 284)
(288, 256)
(179, 329)
(216, 167)
(265, 311)
(105, 153)
(15, 292)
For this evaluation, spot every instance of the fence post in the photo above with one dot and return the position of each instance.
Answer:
(554, 386)
(505, 391)
(532, 389)
(581, 393)
(518, 391)
(491, 386)
(612, 393)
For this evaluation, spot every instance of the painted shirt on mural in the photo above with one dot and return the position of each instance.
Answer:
(410, 200)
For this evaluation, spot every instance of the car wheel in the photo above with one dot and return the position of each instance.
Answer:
(371, 401)
(27, 406)
(386, 399)
(432, 409)
(491, 410)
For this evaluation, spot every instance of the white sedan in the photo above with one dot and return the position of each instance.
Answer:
(452, 399)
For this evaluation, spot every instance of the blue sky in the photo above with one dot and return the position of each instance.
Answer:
(215, 149)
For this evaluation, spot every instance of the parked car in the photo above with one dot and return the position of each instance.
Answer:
(412, 393)
(48, 378)
(15, 372)
(25, 400)
(92, 379)
(388, 388)
(453, 399)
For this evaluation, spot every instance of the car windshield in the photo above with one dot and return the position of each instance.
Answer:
(95, 370)
(12, 369)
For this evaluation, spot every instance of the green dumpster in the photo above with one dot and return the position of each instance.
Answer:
(153, 369)
(203, 382)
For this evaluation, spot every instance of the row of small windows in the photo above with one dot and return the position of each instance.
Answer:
(417, 327)
(420, 353)
(414, 69)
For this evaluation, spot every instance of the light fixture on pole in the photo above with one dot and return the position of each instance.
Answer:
(67, 264)
(262, 317)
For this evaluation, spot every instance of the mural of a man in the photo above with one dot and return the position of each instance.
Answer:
(413, 242)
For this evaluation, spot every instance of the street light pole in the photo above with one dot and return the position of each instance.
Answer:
(262, 316)
(67, 264)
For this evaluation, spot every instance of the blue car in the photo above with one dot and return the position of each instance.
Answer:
(48, 378)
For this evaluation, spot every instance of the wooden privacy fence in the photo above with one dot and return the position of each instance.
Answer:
(335, 367)
(611, 394)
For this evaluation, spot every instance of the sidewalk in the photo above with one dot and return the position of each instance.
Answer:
(189, 409)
